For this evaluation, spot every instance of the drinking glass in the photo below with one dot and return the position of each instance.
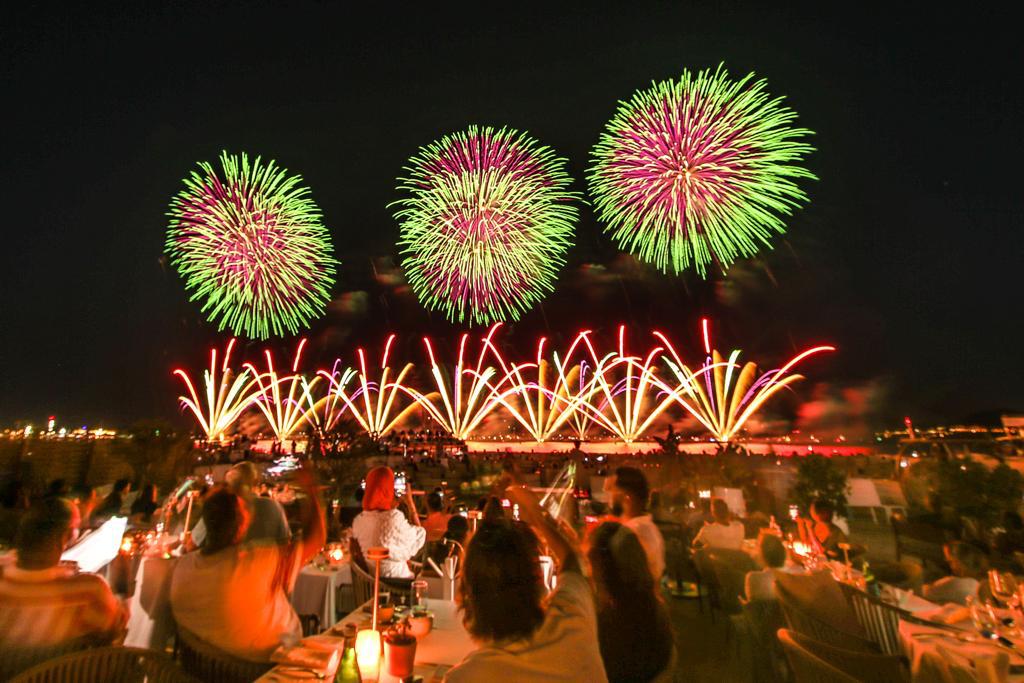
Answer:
(1003, 586)
(981, 614)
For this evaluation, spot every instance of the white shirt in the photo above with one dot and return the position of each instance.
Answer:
(226, 601)
(564, 648)
(725, 536)
(650, 538)
(760, 583)
(390, 529)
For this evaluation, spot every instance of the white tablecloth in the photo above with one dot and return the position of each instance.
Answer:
(316, 592)
(445, 646)
(927, 664)
(150, 623)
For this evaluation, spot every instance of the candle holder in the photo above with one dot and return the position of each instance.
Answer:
(375, 555)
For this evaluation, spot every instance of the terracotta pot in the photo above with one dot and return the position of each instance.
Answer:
(421, 624)
(400, 658)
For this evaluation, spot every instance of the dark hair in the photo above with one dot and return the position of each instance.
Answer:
(502, 587)
(824, 508)
(772, 550)
(634, 483)
(458, 528)
(149, 492)
(121, 485)
(434, 502)
(58, 488)
(43, 527)
(970, 557)
(13, 495)
(634, 631)
(225, 517)
(720, 511)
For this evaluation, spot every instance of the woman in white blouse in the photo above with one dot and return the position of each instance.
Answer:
(382, 524)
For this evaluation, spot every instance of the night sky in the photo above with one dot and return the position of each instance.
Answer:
(908, 256)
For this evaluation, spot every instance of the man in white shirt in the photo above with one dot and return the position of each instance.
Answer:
(629, 493)
(723, 532)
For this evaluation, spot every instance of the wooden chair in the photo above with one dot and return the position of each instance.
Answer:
(875, 668)
(211, 664)
(880, 620)
(14, 660)
(310, 624)
(802, 621)
(121, 664)
(362, 585)
(730, 568)
(763, 619)
(807, 667)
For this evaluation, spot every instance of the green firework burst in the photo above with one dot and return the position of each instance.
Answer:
(251, 245)
(485, 221)
(698, 170)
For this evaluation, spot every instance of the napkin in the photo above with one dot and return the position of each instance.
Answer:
(950, 613)
(324, 642)
(306, 657)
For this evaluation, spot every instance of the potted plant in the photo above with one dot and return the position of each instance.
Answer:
(400, 650)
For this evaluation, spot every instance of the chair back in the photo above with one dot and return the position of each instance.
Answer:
(802, 621)
(730, 568)
(209, 663)
(764, 618)
(362, 585)
(808, 668)
(880, 620)
(122, 664)
(14, 660)
(877, 668)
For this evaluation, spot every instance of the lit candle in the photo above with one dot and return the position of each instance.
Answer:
(368, 648)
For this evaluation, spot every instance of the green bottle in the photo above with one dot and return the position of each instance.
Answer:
(348, 669)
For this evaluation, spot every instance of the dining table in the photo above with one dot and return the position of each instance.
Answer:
(445, 646)
(951, 649)
(323, 590)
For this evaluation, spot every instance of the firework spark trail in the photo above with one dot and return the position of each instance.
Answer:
(251, 244)
(374, 412)
(696, 171)
(224, 401)
(726, 400)
(285, 412)
(626, 408)
(462, 407)
(485, 220)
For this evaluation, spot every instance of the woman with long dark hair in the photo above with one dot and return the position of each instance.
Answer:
(633, 625)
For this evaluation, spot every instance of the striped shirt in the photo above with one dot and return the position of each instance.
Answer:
(49, 607)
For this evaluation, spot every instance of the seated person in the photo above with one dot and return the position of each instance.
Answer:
(234, 594)
(457, 531)
(436, 522)
(967, 563)
(382, 524)
(145, 505)
(267, 521)
(820, 532)
(760, 583)
(46, 604)
(112, 505)
(520, 636)
(722, 532)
